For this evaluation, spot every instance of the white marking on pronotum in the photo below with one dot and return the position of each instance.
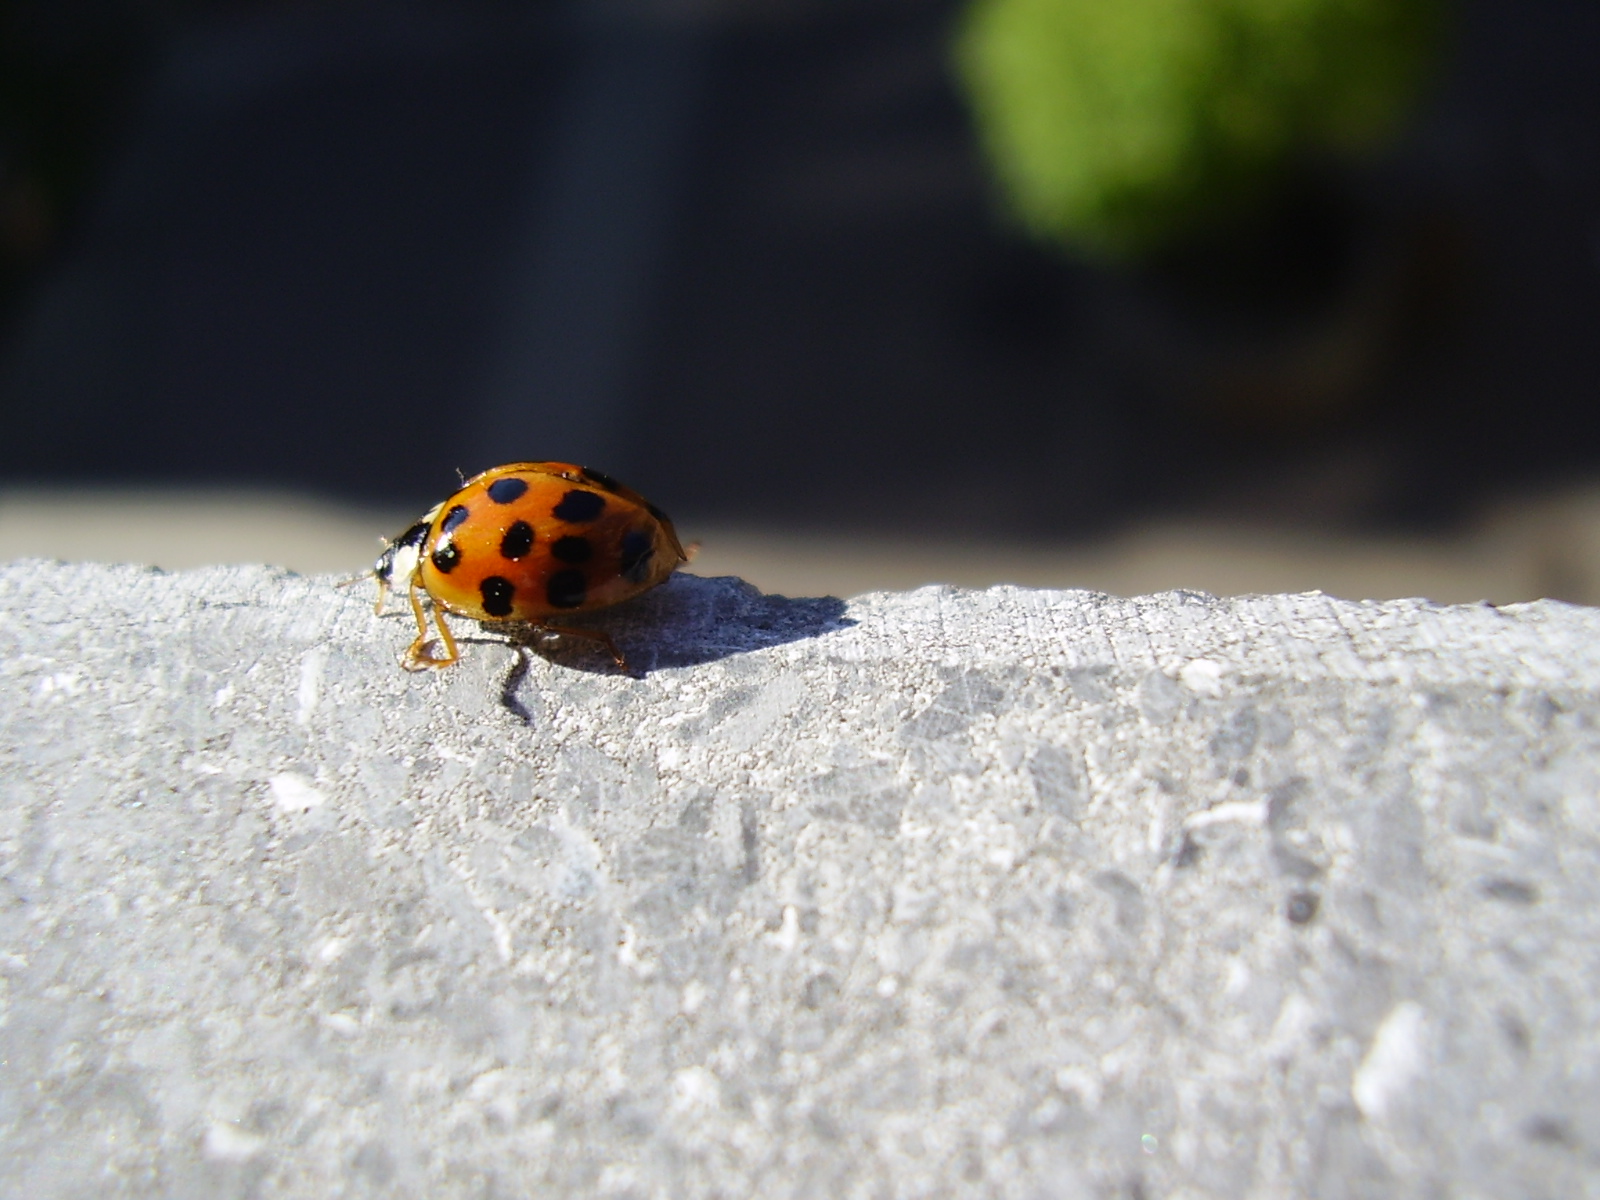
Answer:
(310, 682)
(404, 566)
(1397, 1058)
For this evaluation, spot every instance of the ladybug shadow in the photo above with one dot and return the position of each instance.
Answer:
(686, 621)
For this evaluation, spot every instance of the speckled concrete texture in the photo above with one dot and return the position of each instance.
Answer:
(1008, 893)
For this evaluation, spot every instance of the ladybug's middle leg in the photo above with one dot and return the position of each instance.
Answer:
(417, 657)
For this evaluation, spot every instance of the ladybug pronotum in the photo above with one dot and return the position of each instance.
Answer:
(527, 542)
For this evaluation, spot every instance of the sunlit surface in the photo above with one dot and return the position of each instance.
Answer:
(1520, 551)
(178, 529)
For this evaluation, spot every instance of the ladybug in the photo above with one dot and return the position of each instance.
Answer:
(528, 542)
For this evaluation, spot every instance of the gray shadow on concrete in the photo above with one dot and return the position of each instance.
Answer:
(687, 621)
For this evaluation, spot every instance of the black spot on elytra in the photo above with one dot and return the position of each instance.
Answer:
(638, 547)
(600, 478)
(497, 595)
(566, 589)
(504, 491)
(518, 540)
(573, 550)
(447, 558)
(579, 506)
(452, 519)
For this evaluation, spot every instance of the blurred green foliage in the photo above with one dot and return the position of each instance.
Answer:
(1119, 127)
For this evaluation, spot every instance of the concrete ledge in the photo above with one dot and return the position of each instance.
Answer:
(998, 893)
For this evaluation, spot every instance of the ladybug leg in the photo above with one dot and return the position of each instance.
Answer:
(452, 652)
(590, 635)
(383, 594)
(417, 657)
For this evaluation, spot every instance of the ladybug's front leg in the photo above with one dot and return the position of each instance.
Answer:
(417, 657)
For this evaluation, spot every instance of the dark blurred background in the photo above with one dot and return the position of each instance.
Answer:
(748, 256)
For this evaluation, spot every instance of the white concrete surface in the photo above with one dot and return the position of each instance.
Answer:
(1004, 893)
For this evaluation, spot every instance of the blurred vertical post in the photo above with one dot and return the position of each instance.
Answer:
(585, 269)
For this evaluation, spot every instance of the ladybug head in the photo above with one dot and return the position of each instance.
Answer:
(400, 557)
